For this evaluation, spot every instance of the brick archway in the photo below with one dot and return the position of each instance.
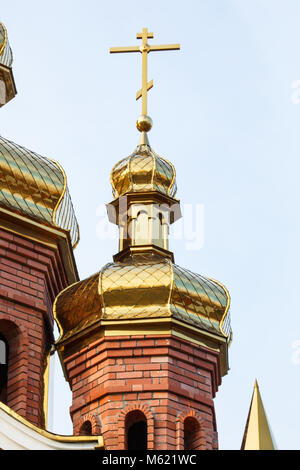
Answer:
(143, 408)
(95, 424)
(200, 441)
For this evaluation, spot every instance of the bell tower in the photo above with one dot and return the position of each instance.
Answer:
(38, 231)
(144, 342)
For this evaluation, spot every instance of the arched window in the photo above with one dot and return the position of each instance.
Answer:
(136, 430)
(141, 233)
(191, 433)
(3, 368)
(86, 429)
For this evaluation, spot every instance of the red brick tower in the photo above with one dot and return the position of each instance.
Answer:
(37, 232)
(144, 342)
(35, 264)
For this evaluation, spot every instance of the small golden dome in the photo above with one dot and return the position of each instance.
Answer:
(143, 171)
(35, 187)
(144, 288)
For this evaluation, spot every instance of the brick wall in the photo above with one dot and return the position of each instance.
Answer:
(31, 275)
(168, 379)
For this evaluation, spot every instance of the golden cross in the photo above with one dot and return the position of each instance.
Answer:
(145, 48)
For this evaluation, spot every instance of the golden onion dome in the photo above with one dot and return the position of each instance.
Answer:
(6, 57)
(144, 288)
(36, 187)
(143, 171)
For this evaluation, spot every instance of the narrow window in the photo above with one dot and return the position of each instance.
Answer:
(136, 430)
(3, 368)
(191, 433)
(141, 234)
(86, 429)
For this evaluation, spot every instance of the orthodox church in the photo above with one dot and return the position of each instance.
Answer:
(143, 342)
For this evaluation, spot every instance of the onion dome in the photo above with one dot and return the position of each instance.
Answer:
(143, 171)
(36, 187)
(6, 57)
(144, 288)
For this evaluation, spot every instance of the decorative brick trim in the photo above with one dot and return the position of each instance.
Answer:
(200, 439)
(143, 408)
(95, 423)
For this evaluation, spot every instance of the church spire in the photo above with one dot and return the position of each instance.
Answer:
(144, 183)
(258, 434)
(144, 122)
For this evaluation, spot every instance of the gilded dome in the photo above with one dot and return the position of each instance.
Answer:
(144, 288)
(6, 56)
(143, 171)
(35, 186)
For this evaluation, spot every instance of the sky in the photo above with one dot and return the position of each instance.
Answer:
(226, 113)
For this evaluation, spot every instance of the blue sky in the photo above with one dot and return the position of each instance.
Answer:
(225, 115)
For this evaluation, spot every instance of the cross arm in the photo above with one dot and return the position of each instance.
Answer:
(165, 47)
(149, 35)
(124, 49)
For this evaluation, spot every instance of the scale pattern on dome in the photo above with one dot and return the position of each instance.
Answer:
(148, 288)
(35, 186)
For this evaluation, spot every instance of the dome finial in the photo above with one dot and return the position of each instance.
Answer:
(144, 122)
(144, 139)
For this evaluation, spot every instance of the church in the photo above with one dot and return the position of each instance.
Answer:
(144, 343)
